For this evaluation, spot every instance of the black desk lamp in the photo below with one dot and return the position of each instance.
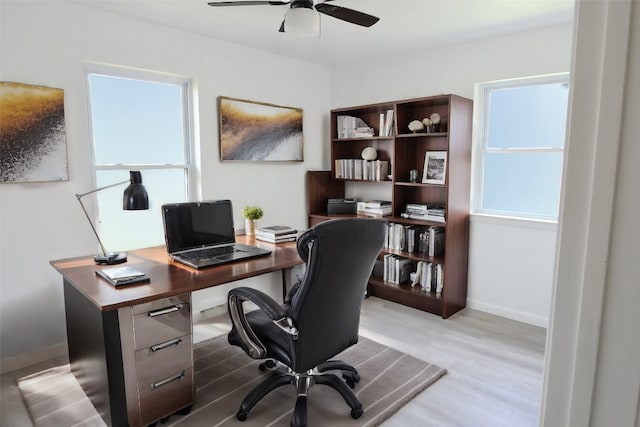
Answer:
(135, 198)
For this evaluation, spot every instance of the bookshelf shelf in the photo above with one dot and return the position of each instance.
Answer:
(405, 151)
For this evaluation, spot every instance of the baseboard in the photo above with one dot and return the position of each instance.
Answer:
(18, 362)
(519, 316)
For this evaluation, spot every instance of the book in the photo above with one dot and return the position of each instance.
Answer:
(126, 275)
(276, 230)
(277, 239)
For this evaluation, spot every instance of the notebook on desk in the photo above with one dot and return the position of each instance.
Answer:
(201, 234)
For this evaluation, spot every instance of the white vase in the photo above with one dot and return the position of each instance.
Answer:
(250, 226)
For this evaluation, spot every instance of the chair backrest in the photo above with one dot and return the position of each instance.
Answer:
(340, 255)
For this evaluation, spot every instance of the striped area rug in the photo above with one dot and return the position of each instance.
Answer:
(224, 375)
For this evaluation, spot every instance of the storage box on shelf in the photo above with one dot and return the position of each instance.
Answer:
(405, 151)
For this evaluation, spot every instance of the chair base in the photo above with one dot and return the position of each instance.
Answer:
(282, 375)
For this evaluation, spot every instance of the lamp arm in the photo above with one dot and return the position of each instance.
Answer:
(80, 196)
(104, 252)
(99, 189)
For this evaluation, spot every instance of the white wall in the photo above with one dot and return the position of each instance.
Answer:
(49, 43)
(510, 263)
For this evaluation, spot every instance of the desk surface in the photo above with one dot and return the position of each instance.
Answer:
(169, 278)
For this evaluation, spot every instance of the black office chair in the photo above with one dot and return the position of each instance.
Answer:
(319, 318)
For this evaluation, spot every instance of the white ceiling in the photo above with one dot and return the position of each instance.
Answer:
(404, 26)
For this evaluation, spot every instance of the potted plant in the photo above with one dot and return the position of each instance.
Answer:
(251, 216)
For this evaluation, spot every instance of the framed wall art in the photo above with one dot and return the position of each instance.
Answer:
(256, 131)
(435, 167)
(33, 145)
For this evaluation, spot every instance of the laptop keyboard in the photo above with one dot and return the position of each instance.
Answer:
(208, 253)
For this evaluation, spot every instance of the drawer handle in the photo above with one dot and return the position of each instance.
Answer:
(164, 345)
(168, 380)
(165, 310)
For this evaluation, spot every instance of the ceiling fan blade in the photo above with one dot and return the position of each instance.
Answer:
(248, 3)
(346, 14)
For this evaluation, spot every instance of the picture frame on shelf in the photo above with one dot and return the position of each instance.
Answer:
(435, 168)
(257, 131)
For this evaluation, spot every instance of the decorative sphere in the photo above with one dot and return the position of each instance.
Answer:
(415, 126)
(369, 153)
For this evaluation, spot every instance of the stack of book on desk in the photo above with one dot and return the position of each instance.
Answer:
(276, 234)
(119, 276)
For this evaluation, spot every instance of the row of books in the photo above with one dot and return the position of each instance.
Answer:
(276, 234)
(397, 269)
(353, 127)
(386, 123)
(429, 276)
(424, 212)
(374, 208)
(366, 170)
(426, 241)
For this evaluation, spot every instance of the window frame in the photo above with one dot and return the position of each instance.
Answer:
(188, 107)
(480, 146)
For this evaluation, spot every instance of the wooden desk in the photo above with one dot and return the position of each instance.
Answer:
(131, 348)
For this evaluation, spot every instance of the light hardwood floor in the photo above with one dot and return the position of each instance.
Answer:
(494, 366)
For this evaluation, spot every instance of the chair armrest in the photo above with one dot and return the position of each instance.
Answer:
(267, 304)
(248, 339)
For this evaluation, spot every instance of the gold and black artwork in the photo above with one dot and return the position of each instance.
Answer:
(32, 133)
(253, 131)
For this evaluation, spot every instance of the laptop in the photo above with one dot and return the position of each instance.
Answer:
(201, 234)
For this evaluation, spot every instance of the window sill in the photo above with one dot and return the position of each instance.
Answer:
(510, 221)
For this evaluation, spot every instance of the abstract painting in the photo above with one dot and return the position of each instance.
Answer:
(254, 131)
(32, 133)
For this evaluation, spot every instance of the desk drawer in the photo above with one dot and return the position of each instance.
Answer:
(161, 321)
(165, 378)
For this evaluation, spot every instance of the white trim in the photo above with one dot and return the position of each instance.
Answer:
(24, 360)
(589, 181)
(512, 221)
(516, 315)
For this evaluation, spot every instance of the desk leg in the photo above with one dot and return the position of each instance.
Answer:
(284, 281)
(93, 338)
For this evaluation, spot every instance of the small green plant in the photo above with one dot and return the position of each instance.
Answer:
(252, 212)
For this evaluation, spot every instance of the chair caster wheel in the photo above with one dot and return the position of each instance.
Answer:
(185, 411)
(351, 378)
(268, 364)
(241, 416)
(356, 413)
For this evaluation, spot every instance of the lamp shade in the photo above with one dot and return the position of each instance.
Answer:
(302, 21)
(135, 195)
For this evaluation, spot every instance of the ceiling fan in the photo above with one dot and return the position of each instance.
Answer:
(301, 18)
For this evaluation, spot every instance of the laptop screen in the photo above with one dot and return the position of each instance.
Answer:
(197, 224)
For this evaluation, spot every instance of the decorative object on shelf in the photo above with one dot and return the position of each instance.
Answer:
(435, 167)
(32, 132)
(428, 124)
(413, 175)
(254, 131)
(416, 126)
(435, 119)
(135, 198)
(251, 216)
(369, 153)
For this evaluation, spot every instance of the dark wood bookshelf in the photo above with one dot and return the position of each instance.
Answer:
(405, 150)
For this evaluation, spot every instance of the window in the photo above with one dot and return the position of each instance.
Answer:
(138, 122)
(519, 146)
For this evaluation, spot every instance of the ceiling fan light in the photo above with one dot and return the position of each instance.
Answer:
(302, 21)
